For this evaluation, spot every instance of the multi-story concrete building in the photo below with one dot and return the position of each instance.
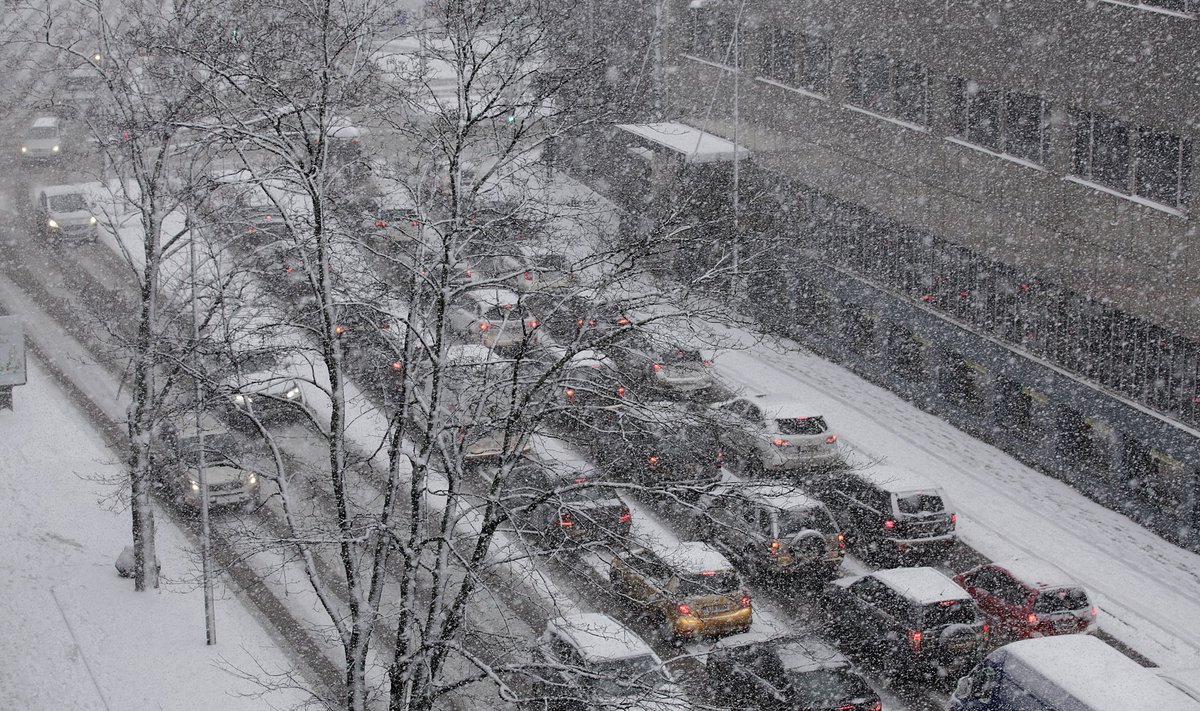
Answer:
(1025, 169)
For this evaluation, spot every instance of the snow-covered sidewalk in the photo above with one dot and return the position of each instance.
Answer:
(1145, 586)
(78, 635)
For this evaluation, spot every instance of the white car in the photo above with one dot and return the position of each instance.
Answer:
(262, 384)
(64, 212)
(775, 434)
(230, 481)
(592, 661)
(494, 318)
(44, 139)
(667, 366)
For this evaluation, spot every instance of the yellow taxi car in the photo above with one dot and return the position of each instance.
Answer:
(694, 588)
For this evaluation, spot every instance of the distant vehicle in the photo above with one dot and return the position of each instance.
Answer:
(44, 139)
(786, 673)
(916, 618)
(663, 445)
(689, 587)
(64, 212)
(560, 504)
(591, 661)
(1066, 673)
(773, 528)
(495, 318)
(768, 433)
(590, 383)
(178, 452)
(890, 512)
(1029, 598)
(260, 384)
(665, 366)
(81, 88)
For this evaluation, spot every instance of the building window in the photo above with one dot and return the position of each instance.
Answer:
(1002, 121)
(1135, 160)
(890, 87)
(1184, 6)
(795, 59)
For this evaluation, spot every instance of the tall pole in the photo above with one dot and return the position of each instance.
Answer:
(210, 618)
(737, 233)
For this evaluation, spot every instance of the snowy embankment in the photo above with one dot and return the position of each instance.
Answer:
(70, 617)
(1144, 585)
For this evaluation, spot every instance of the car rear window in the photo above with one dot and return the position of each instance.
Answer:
(793, 521)
(1061, 600)
(827, 688)
(918, 503)
(721, 582)
(681, 357)
(957, 612)
(802, 425)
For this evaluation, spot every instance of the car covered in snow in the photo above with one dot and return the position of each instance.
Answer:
(773, 433)
(65, 212)
(228, 470)
(915, 618)
(663, 365)
(496, 318)
(44, 139)
(264, 384)
(591, 661)
(1026, 598)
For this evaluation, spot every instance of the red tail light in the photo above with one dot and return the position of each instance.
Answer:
(1094, 612)
(1033, 619)
(707, 362)
(620, 391)
(774, 550)
(831, 439)
(652, 460)
(914, 640)
(623, 321)
(720, 456)
(570, 392)
(289, 270)
(779, 442)
(484, 325)
(847, 707)
(877, 707)
(380, 224)
(841, 540)
(745, 601)
(565, 521)
(889, 523)
(684, 609)
(986, 628)
(532, 323)
(953, 518)
(657, 366)
(251, 230)
(625, 516)
(469, 272)
(528, 276)
(397, 365)
(339, 329)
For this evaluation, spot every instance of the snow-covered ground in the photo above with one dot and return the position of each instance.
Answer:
(1146, 587)
(78, 635)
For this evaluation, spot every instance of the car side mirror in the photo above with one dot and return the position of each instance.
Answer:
(962, 688)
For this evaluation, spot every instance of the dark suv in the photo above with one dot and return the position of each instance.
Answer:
(889, 512)
(662, 445)
(916, 618)
(788, 672)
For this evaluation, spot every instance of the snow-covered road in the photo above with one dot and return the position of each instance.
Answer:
(1146, 587)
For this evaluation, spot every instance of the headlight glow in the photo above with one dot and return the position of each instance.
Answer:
(54, 149)
(92, 220)
(52, 224)
(239, 399)
(293, 393)
(24, 149)
(251, 478)
(195, 486)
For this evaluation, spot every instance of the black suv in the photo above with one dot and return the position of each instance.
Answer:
(889, 512)
(914, 618)
(788, 672)
(662, 445)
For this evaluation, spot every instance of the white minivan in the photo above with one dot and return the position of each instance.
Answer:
(1065, 673)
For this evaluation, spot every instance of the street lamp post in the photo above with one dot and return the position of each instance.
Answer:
(210, 620)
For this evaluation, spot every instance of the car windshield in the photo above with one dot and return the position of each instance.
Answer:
(826, 688)
(620, 677)
(258, 361)
(957, 612)
(396, 215)
(793, 521)
(1062, 600)
(802, 425)
(218, 447)
(43, 132)
(718, 582)
(67, 202)
(920, 503)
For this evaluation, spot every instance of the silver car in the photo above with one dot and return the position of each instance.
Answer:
(64, 212)
(768, 433)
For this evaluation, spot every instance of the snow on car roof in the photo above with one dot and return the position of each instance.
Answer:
(782, 406)
(494, 297)
(1038, 573)
(1091, 673)
(806, 654)
(781, 496)
(52, 190)
(924, 586)
(695, 145)
(896, 480)
(600, 638)
(46, 122)
(693, 557)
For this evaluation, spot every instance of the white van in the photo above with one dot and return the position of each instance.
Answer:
(1066, 673)
(44, 139)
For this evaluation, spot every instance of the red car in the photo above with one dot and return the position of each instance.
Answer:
(1029, 598)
